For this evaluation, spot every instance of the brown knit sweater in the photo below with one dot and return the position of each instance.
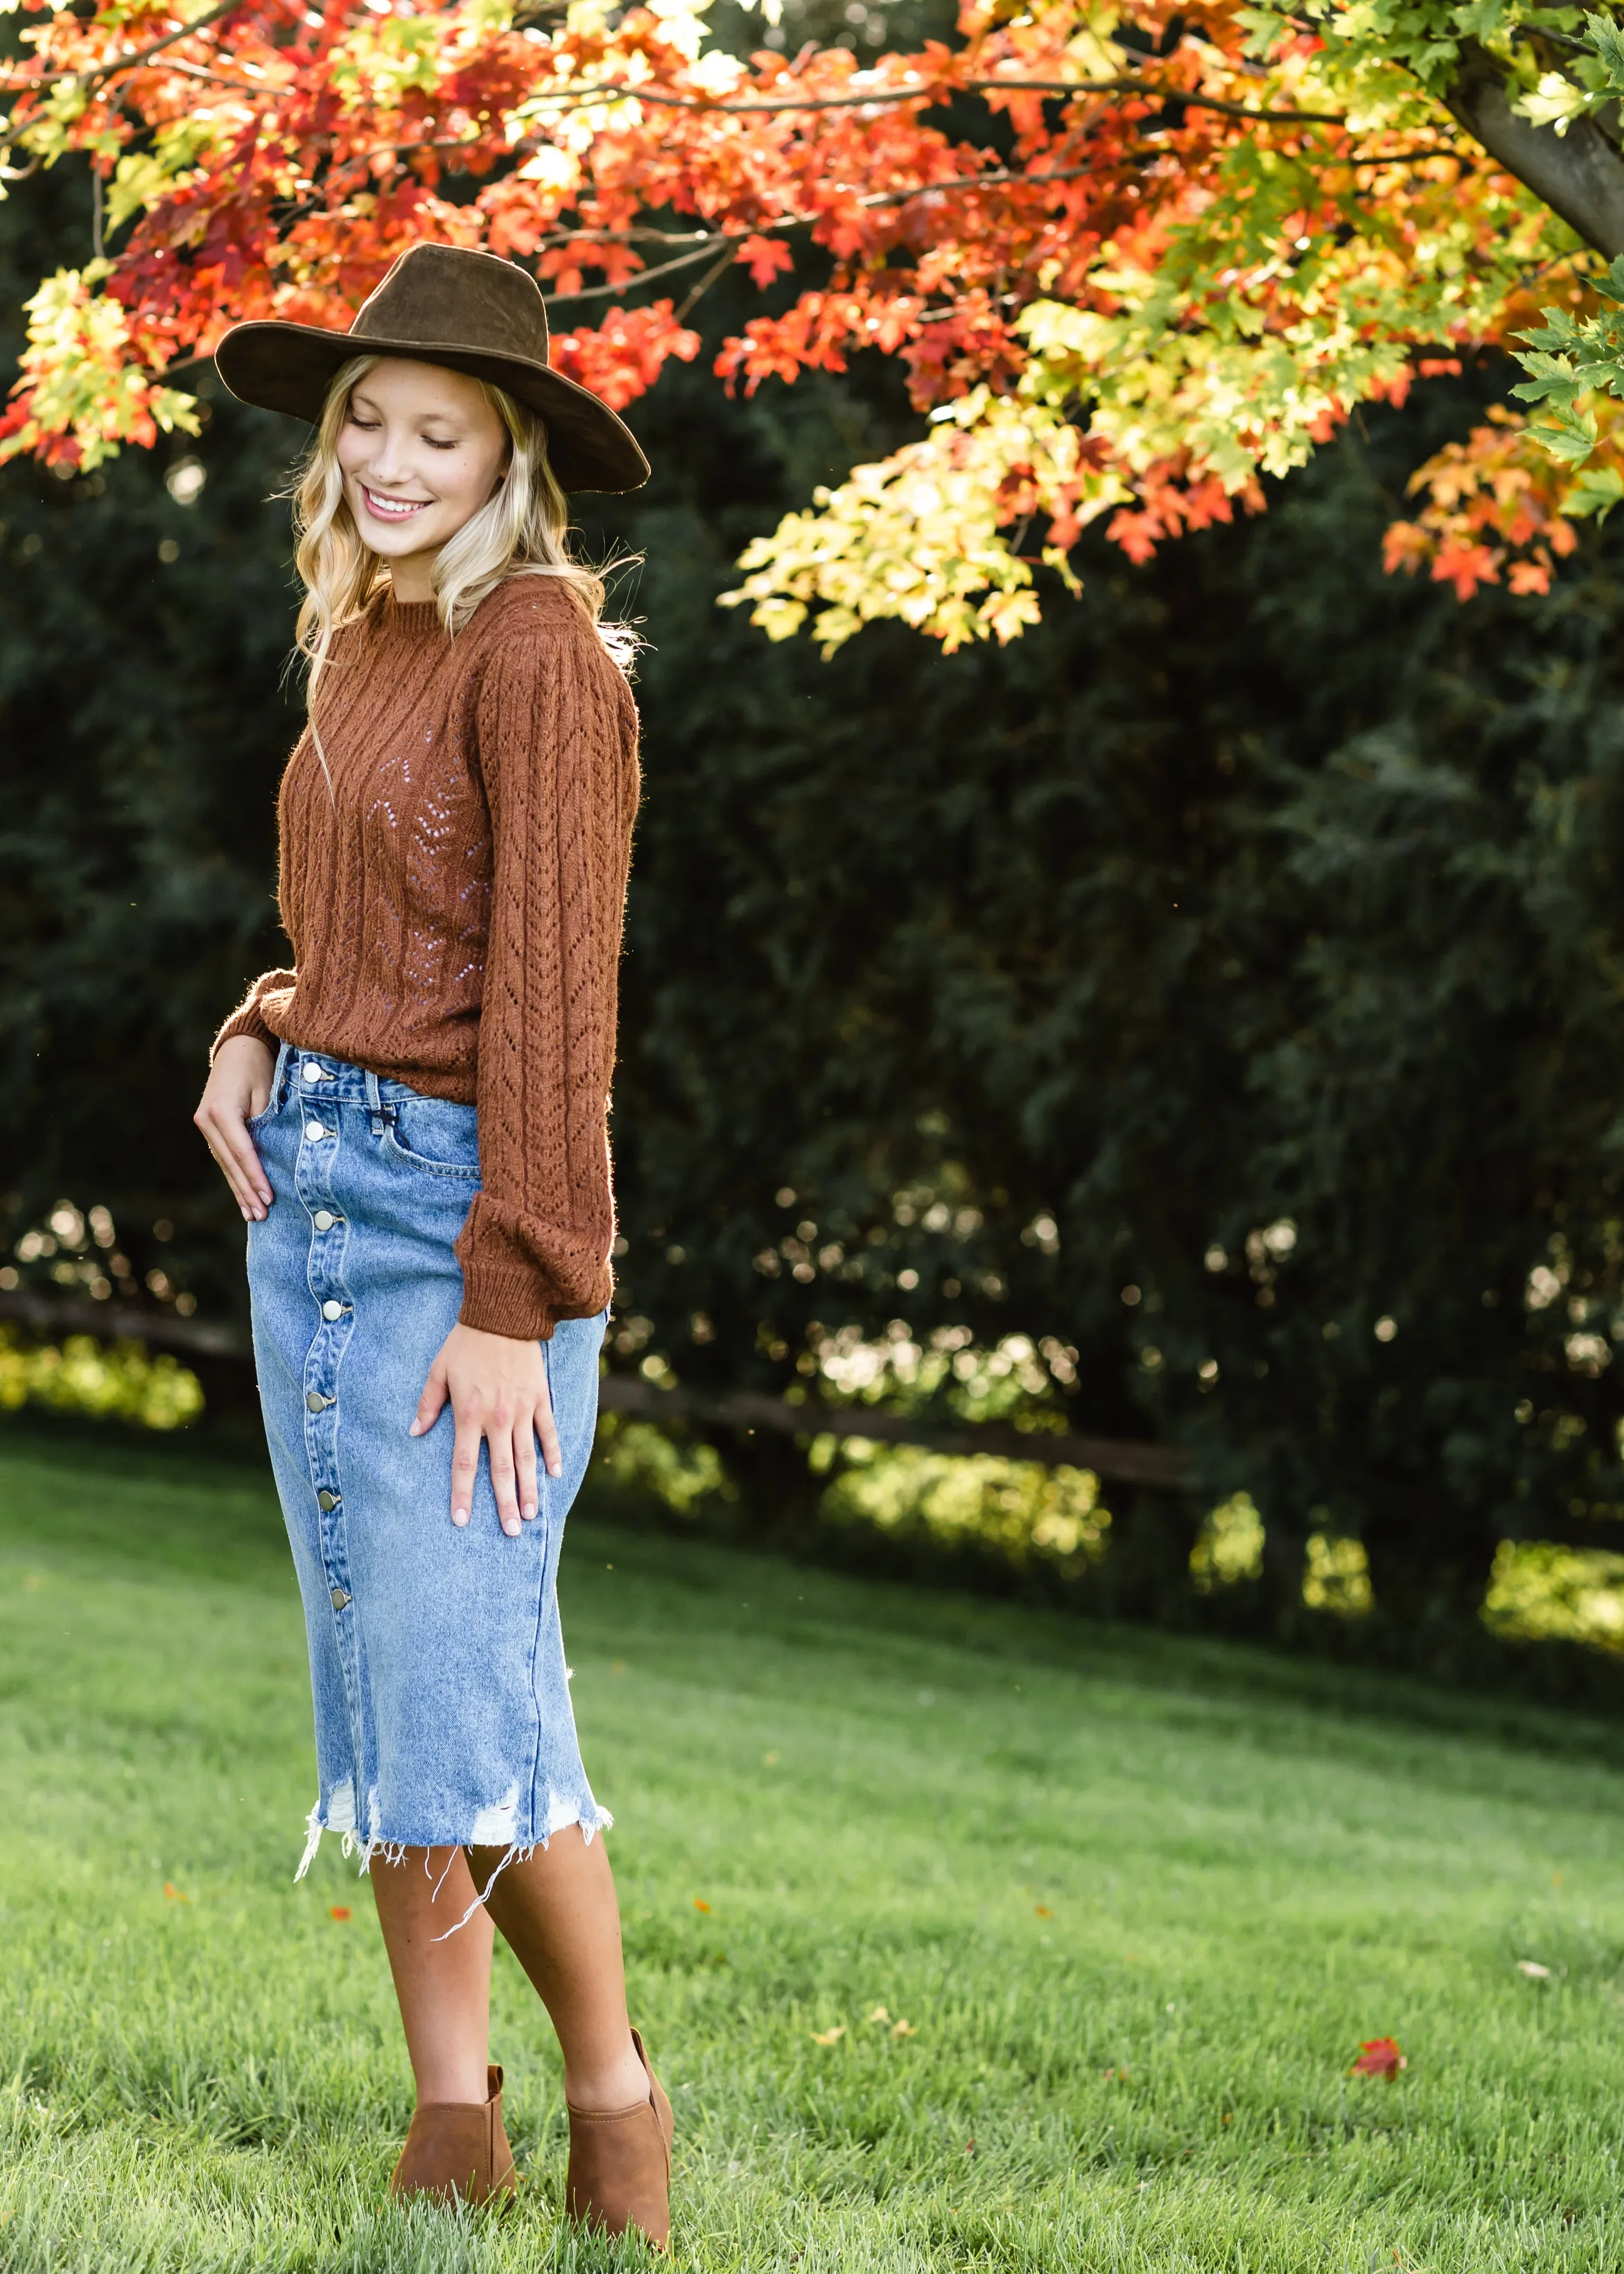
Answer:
(454, 906)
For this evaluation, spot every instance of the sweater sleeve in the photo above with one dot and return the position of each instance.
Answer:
(245, 1019)
(556, 735)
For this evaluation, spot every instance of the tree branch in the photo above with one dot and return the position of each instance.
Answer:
(642, 276)
(934, 92)
(1579, 175)
(124, 62)
(1000, 177)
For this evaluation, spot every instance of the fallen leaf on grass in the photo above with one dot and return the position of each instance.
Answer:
(1379, 2057)
(828, 2037)
(1534, 1971)
(340, 1911)
(903, 2030)
(879, 2014)
(1042, 1910)
(172, 1894)
(698, 1906)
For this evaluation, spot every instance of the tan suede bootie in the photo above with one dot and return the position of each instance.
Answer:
(620, 2164)
(458, 2151)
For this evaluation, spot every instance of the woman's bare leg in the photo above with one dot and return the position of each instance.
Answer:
(558, 1913)
(444, 1988)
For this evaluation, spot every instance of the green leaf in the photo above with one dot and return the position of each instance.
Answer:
(1568, 435)
(1607, 43)
(1595, 492)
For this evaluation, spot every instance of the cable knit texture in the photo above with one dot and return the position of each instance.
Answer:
(456, 903)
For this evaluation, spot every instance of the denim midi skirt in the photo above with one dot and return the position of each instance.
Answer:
(436, 1658)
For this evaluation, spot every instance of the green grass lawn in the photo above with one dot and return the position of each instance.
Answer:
(1138, 1900)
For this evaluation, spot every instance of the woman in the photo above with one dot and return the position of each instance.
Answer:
(412, 1121)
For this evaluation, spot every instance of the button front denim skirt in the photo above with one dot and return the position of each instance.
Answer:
(436, 1658)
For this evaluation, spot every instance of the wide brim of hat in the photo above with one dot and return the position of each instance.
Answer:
(289, 368)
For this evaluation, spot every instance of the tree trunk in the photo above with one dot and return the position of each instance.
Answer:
(1579, 173)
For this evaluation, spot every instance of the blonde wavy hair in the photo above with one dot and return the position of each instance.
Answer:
(522, 531)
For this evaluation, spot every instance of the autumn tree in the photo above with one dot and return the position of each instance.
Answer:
(1134, 259)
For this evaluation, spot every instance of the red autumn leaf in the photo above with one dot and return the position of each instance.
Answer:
(340, 1911)
(765, 258)
(1379, 2057)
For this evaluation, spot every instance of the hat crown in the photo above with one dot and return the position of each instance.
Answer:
(448, 295)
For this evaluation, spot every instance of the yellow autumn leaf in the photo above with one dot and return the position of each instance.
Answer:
(904, 2029)
(828, 2037)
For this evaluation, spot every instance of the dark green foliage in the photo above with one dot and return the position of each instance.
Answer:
(1255, 889)
(144, 726)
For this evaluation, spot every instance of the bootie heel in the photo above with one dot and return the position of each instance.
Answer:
(458, 2151)
(620, 2164)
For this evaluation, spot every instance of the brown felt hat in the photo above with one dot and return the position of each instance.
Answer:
(443, 303)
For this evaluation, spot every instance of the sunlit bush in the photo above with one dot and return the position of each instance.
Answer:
(1540, 1592)
(638, 1458)
(1335, 1572)
(119, 1381)
(1026, 1512)
(1230, 1547)
(1337, 1577)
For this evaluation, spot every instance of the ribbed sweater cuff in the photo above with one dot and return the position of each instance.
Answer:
(501, 1298)
(245, 1021)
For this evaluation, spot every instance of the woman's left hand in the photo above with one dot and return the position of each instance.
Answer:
(498, 1389)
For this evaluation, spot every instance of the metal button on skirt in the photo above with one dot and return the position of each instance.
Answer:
(436, 1658)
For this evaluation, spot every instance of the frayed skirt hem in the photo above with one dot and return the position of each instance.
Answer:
(379, 1846)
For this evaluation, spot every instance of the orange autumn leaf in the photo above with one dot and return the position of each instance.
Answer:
(1379, 2057)
(340, 1911)
(1042, 1910)
(699, 1905)
(172, 1894)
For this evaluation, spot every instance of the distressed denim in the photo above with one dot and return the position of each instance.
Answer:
(436, 1658)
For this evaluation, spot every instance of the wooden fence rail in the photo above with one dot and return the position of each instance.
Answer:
(1120, 1459)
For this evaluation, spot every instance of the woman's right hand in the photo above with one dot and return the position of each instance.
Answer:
(239, 1085)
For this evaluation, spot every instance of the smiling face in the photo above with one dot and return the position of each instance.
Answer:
(421, 451)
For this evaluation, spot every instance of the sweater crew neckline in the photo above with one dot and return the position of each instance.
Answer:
(415, 618)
